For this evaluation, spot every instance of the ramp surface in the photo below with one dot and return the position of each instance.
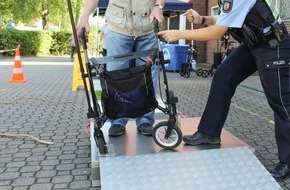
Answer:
(133, 143)
(220, 169)
(136, 162)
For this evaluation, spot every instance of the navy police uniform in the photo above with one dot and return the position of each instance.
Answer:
(265, 46)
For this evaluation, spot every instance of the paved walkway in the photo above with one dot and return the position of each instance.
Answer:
(46, 107)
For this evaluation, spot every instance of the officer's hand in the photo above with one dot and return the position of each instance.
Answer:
(158, 14)
(170, 35)
(193, 16)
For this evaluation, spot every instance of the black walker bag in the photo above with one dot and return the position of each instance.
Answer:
(128, 92)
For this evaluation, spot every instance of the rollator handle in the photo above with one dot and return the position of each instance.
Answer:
(155, 24)
(84, 39)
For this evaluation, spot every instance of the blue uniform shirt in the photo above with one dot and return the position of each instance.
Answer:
(234, 12)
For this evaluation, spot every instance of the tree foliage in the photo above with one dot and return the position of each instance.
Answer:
(49, 12)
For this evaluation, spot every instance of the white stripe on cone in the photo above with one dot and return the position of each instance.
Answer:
(17, 70)
(17, 58)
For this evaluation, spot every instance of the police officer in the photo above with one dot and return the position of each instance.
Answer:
(265, 46)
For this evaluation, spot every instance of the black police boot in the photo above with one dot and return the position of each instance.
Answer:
(281, 171)
(200, 138)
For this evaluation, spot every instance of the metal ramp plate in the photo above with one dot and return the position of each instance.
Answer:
(133, 143)
(216, 169)
(136, 162)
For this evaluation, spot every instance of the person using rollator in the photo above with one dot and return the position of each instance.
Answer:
(265, 46)
(129, 30)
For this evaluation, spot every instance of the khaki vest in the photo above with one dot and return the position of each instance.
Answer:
(130, 17)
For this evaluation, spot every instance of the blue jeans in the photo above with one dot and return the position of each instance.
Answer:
(118, 44)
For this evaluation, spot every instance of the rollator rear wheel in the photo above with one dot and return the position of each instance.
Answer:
(172, 141)
(181, 72)
(211, 73)
(101, 144)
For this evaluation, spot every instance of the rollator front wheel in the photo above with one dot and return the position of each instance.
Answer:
(205, 73)
(172, 141)
(182, 69)
(199, 72)
(187, 73)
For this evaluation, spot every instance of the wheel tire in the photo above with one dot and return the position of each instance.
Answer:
(101, 145)
(187, 74)
(182, 69)
(173, 140)
(204, 73)
(199, 72)
(181, 72)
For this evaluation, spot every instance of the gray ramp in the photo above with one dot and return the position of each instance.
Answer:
(215, 169)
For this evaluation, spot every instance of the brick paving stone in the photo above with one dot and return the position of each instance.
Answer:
(64, 167)
(64, 173)
(62, 179)
(45, 173)
(43, 180)
(21, 188)
(61, 186)
(15, 164)
(50, 163)
(9, 176)
(5, 187)
(23, 181)
(42, 186)
(76, 185)
(27, 174)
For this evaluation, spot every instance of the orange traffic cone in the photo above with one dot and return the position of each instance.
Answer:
(17, 75)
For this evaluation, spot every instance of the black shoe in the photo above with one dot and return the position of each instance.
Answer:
(200, 138)
(281, 171)
(116, 130)
(145, 129)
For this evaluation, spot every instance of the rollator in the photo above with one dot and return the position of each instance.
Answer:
(136, 95)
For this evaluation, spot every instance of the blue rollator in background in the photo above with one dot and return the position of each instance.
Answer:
(190, 65)
(228, 46)
(186, 67)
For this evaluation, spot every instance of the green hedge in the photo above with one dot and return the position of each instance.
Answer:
(34, 43)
